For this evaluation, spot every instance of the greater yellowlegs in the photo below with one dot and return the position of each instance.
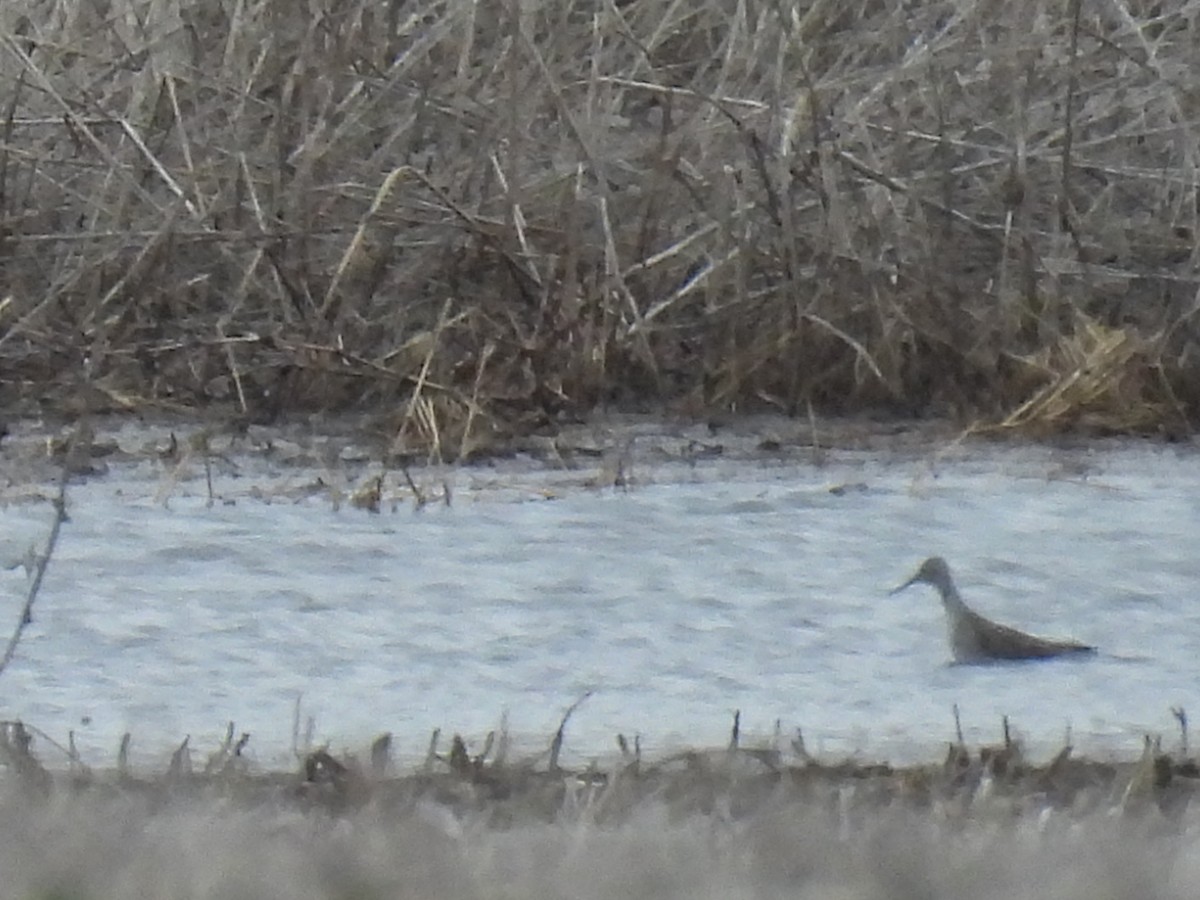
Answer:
(974, 638)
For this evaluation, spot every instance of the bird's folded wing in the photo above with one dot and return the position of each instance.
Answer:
(1001, 642)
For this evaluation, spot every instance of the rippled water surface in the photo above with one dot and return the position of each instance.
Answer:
(695, 593)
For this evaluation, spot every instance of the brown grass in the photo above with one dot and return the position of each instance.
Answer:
(489, 784)
(476, 823)
(480, 219)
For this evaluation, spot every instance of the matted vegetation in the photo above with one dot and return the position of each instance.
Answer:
(480, 219)
(740, 822)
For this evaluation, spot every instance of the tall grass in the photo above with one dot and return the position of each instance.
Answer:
(480, 218)
(117, 847)
(725, 824)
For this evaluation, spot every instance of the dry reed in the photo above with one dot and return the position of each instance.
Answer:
(477, 220)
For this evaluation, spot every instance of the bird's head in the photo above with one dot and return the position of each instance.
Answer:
(933, 571)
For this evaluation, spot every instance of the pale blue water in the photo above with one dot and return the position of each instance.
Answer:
(746, 587)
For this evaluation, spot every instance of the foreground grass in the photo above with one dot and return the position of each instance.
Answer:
(482, 219)
(729, 823)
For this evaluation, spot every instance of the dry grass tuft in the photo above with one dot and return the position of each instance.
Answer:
(480, 220)
(1105, 380)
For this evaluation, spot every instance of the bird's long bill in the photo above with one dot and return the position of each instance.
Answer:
(906, 584)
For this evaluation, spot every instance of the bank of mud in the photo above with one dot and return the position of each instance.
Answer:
(340, 455)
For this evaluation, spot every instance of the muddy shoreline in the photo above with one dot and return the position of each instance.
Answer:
(616, 450)
(488, 782)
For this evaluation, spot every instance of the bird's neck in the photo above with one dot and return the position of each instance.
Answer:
(963, 631)
(951, 600)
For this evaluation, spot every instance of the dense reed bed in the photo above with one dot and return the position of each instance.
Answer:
(734, 822)
(476, 220)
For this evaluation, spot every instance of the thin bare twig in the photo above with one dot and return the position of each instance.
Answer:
(60, 516)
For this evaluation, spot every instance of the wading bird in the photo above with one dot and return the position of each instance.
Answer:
(974, 638)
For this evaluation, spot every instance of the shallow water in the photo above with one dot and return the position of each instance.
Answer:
(701, 590)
